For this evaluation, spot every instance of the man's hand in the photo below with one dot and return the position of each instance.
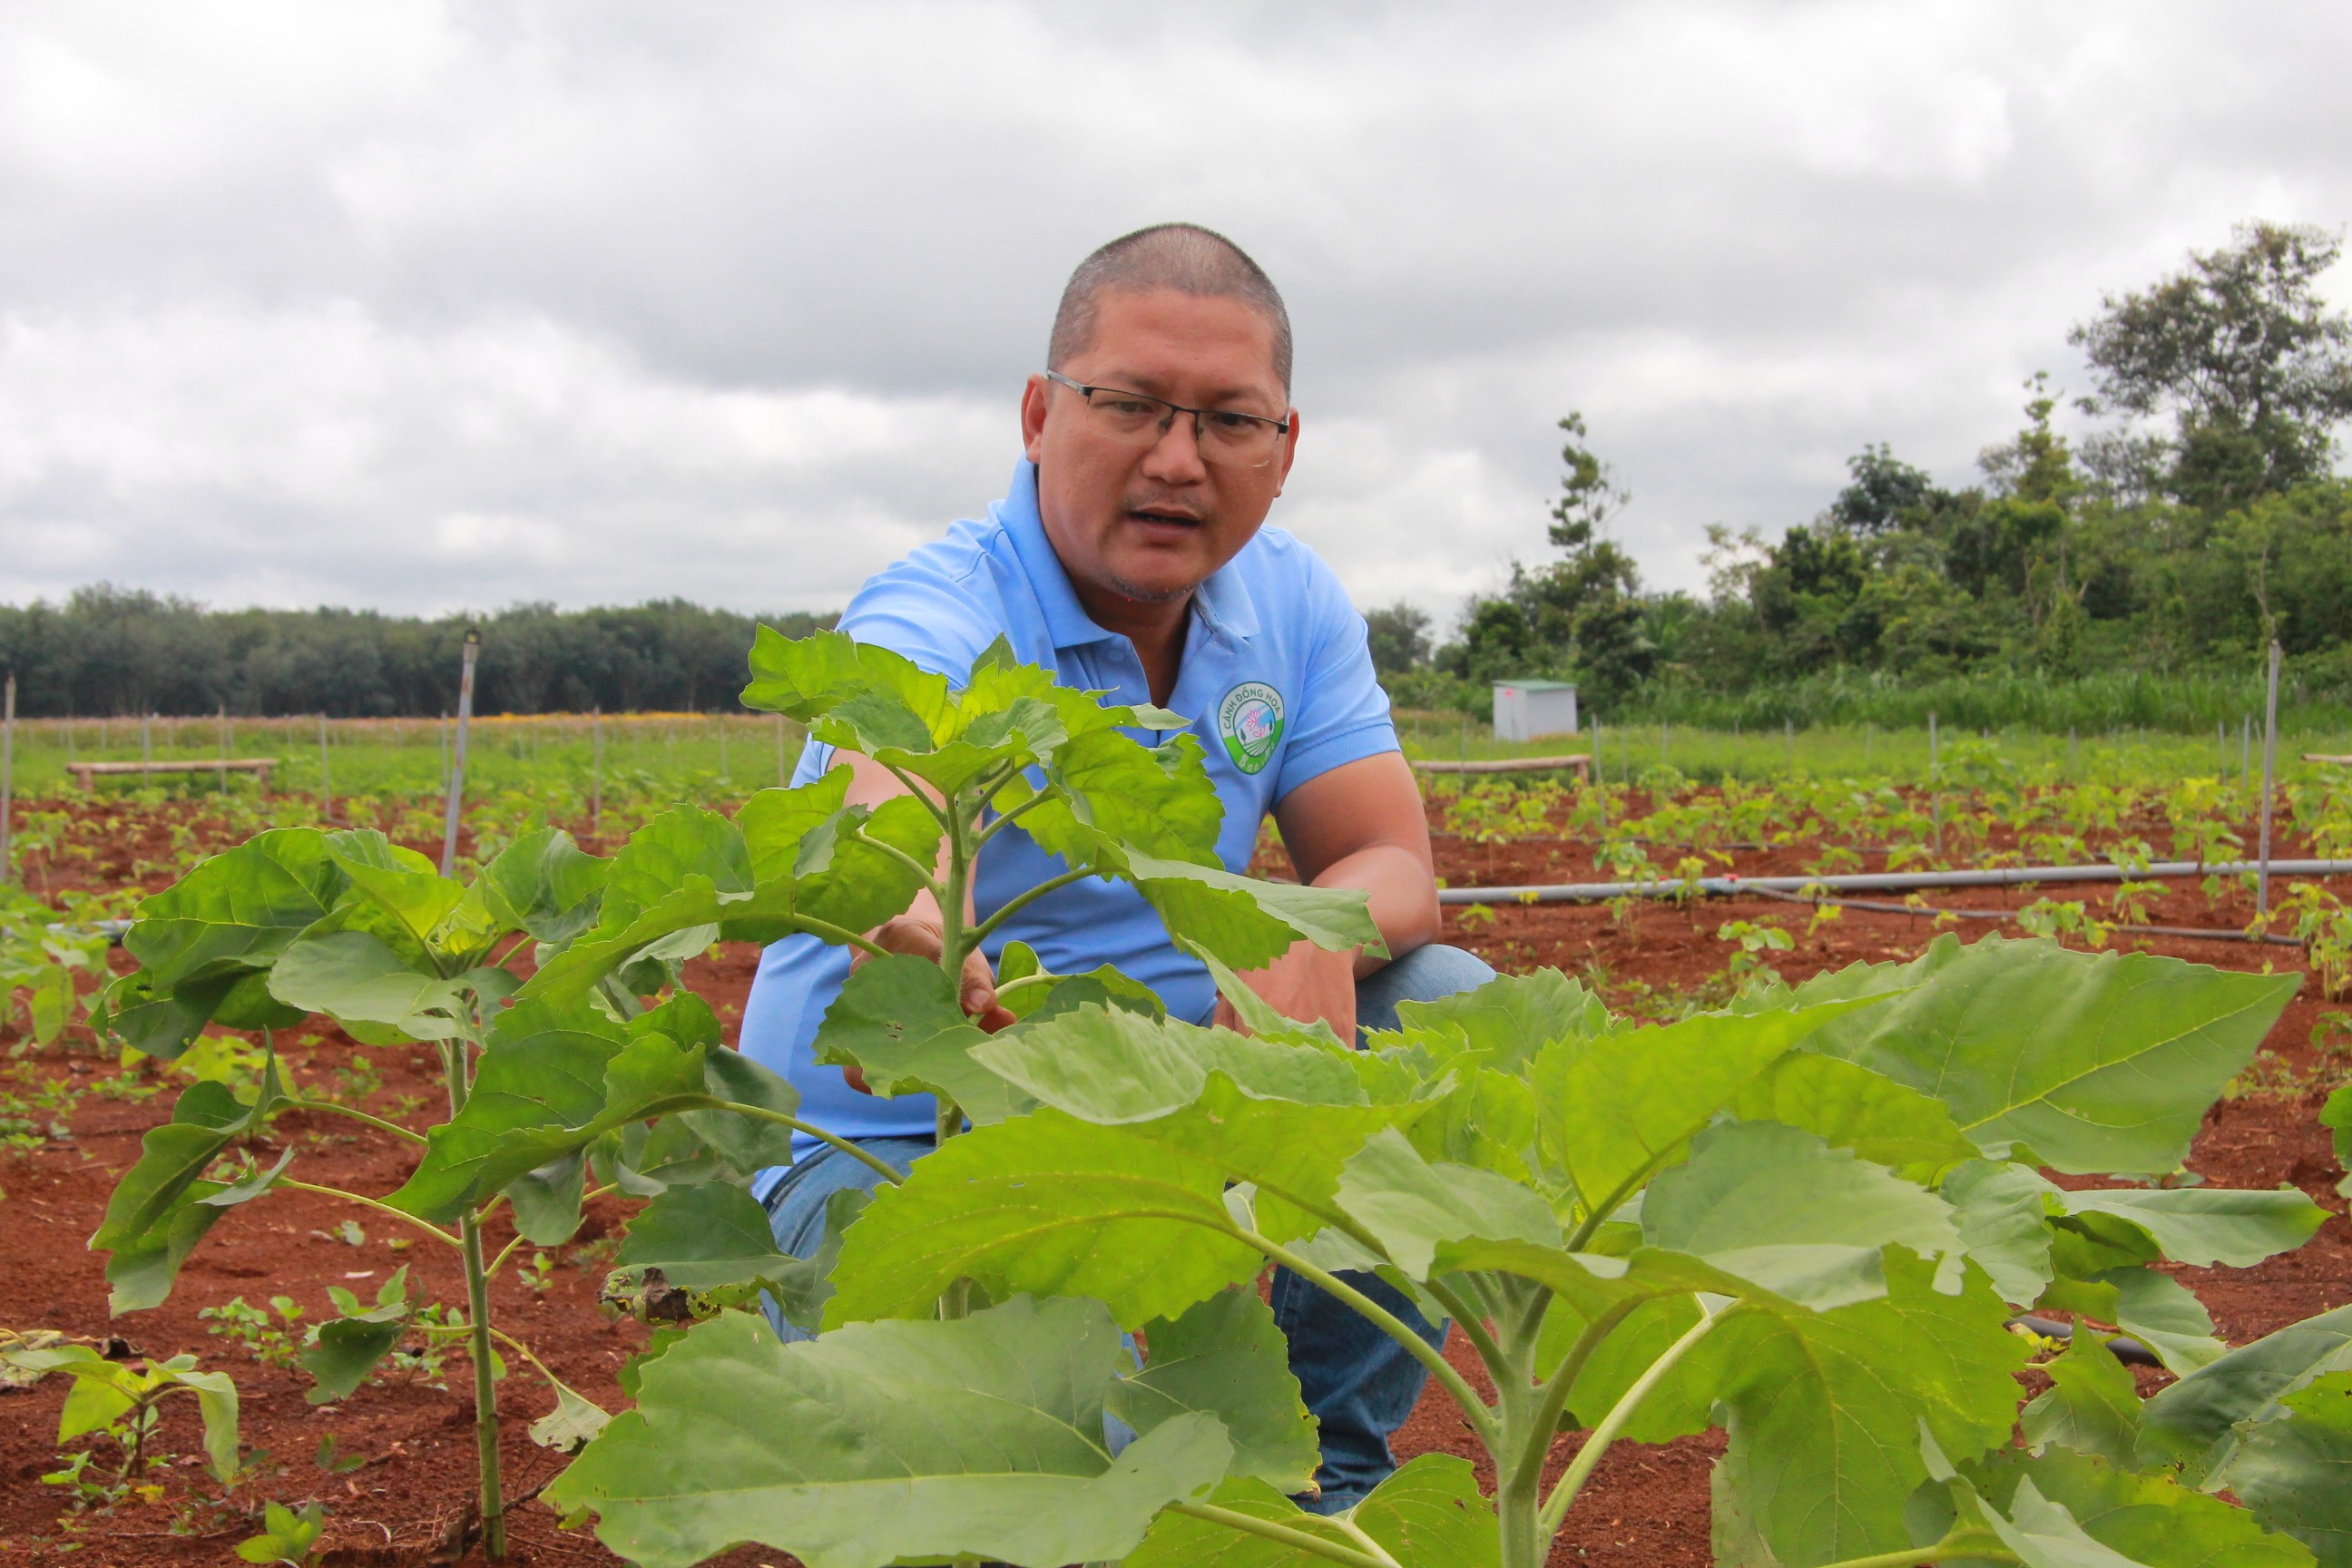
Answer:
(919, 938)
(1305, 984)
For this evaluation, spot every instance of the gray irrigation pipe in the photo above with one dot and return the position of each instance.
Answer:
(1871, 881)
(457, 771)
(1924, 911)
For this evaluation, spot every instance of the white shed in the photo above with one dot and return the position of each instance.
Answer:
(1527, 708)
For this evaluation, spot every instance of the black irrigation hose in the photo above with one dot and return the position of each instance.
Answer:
(1873, 881)
(2202, 933)
(2126, 1349)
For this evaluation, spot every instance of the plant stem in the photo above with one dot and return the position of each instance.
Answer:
(1620, 1415)
(874, 1161)
(523, 1351)
(1288, 1536)
(1538, 1438)
(435, 1231)
(1041, 978)
(1977, 1545)
(486, 1390)
(892, 850)
(1473, 1326)
(1020, 901)
(1474, 1409)
(459, 1066)
(841, 936)
(334, 1109)
(1006, 819)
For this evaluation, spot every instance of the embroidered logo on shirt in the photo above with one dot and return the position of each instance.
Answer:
(1250, 722)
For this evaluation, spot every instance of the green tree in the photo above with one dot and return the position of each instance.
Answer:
(1400, 638)
(2241, 351)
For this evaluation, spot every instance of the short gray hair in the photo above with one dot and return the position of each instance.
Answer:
(1180, 255)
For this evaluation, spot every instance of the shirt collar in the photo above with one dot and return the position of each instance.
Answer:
(1223, 603)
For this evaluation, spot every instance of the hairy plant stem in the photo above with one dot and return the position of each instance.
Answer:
(1536, 1442)
(1299, 1540)
(457, 1065)
(835, 1140)
(1022, 901)
(957, 943)
(334, 1109)
(435, 1231)
(841, 935)
(1978, 1546)
(1620, 1415)
(1475, 1410)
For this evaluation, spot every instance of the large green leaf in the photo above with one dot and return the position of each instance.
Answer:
(1249, 923)
(1049, 1205)
(1511, 1018)
(1851, 1107)
(1615, 1108)
(1779, 1208)
(353, 977)
(1130, 798)
(746, 1143)
(2002, 1210)
(713, 1239)
(396, 890)
(2165, 1315)
(2149, 1518)
(538, 1098)
(238, 910)
(981, 1437)
(682, 842)
(2096, 1062)
(2336, 1117)
(2205, 1225)
(774, 821)
(852, 694)
(545, 884)
(843, 875)
(898, 1020)
(1428, 1514)
(1824, 1410)
(2294, 1470)
(1111, 1065)
(162, 1208)
(2191, 1423)
(1282, 1117)
(1226, 1357)
(2091, 1406)
(705, 1237)
(1413, 1208)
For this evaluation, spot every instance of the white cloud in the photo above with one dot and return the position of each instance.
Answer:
(421, 306)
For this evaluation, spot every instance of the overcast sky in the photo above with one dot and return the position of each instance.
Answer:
(432, 306)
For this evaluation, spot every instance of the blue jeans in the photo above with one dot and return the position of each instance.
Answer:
(1358, 1383)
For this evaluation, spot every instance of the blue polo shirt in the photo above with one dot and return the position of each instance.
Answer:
(1277, 679)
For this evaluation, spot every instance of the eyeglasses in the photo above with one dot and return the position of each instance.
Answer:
(1224, 437)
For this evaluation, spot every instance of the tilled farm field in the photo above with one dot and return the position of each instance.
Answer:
(397, 1455)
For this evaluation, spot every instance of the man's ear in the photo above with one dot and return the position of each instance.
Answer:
(1289, 453)
(1032, 415)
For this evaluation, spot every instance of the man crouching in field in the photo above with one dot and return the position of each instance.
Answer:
(1130, 556)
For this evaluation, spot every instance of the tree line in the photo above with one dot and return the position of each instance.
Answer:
(113, 652)
(2177, 541)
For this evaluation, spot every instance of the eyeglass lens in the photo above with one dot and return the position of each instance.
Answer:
(1222, 437)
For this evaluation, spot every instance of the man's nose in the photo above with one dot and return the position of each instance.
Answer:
(1175, 457)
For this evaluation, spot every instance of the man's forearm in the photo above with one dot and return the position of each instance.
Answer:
(1403, 898)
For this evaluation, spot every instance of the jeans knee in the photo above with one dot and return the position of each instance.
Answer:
(1428, 974)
